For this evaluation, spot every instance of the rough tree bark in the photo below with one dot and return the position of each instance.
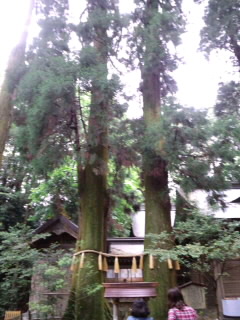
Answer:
(13, 75)
(86, 300)
(157, 200)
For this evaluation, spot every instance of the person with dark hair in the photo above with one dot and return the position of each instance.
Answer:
(178, 310)
(140, 311)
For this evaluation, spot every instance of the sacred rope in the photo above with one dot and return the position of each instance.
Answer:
(103, 263)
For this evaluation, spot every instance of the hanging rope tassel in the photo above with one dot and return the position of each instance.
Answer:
(151, 262)
(116, 265)
(170, 265)
(81, 261)
(73, 264)
(141, 263)
(105, 264)
(134, 264)
(177, 265)
(100, 265)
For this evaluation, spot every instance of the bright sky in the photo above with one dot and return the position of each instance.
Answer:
(12, 17)
(197, 77)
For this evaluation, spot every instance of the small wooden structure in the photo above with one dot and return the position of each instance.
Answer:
(61, 230)
(127, 292)
(194, 294)
(228, 287)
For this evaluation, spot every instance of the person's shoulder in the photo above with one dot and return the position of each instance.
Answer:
(188, 308)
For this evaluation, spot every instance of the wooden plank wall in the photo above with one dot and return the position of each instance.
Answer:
(231, 281)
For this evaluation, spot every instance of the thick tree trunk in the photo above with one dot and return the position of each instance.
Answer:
(158, 220)
(93, 187)
(157, 198)
(86, 300)
(12, 77)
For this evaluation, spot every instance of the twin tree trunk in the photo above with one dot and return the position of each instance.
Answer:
(157, 200)
(86, 299)
(13, 75)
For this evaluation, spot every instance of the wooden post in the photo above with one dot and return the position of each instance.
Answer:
(115, 310)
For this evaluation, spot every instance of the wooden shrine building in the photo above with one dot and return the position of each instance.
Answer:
(123, 283)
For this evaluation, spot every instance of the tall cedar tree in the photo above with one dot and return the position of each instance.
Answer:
(46, 95)
(44, 113)
(86, 299)
(13, 75)
(44, 108)
(158, 24)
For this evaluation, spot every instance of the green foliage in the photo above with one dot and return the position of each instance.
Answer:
(20, 262)
(221, 31)
(15, 181)
(104, 16)
(157, 26)
(228, 100)
(90, 289)
(201, 152)
(45, 101)
(93, 70)
(58, 194)
(124, 180)
(16, 264)
(124, 139)
(126, 196)
(46, 95)
(200, 241)
(55, 31)
(51, 275)
(12, 208)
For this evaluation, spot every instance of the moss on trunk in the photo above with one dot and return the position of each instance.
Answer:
(157, 200)
(158, 220)
(86, 300)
